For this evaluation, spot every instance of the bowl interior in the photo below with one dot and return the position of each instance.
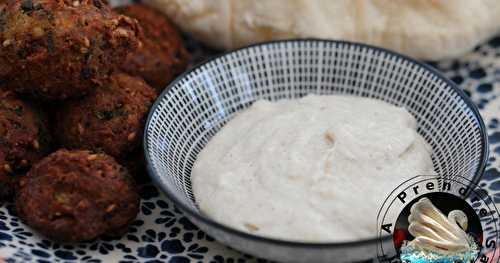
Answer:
(199, 103)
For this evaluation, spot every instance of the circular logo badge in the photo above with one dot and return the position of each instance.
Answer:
(432, 219)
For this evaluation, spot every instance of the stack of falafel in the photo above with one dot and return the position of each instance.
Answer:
(77, 79)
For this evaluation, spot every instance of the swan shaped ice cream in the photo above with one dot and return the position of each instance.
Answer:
(435, 232)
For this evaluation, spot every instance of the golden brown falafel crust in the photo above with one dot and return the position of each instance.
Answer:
(24, 139)
(73, 196)
(111, 119)
(162, 56)
(57, 49)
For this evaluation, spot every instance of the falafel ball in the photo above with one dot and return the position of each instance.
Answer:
(73, 196)
(162, 57)
(111, 119)
(24, 139)
(54, 49)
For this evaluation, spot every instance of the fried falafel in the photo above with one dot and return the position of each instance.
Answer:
(162, 57)
(57, 49)
(111, 119)
(73, 196)
(24, 139)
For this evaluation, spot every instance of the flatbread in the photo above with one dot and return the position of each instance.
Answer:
(425, 29)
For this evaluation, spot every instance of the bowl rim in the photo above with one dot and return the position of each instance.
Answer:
(301, 244)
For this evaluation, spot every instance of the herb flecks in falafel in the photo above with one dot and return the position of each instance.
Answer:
(56, 50)
(110, 119)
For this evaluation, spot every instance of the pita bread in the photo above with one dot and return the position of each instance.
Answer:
(426, 29)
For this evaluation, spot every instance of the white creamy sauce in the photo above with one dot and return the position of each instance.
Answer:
(312, 169)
